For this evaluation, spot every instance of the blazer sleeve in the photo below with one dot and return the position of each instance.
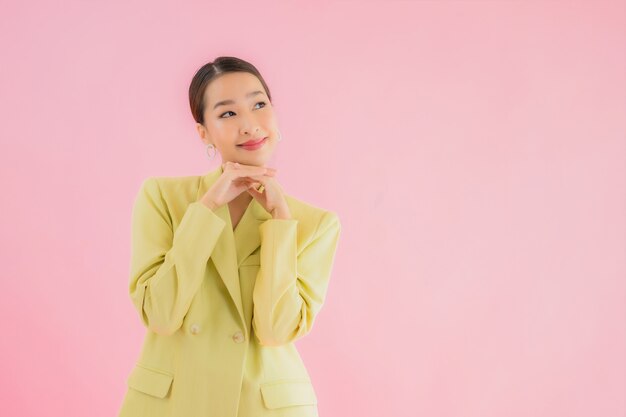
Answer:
(167, 266)
(290, 288)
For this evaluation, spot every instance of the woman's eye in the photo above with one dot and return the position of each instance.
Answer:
(221, 116)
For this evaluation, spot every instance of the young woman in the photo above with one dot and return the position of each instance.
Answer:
(227, 270)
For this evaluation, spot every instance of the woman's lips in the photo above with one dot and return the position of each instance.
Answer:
(254, 146)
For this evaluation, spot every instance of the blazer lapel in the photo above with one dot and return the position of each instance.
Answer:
(233, 247)
(247, 232)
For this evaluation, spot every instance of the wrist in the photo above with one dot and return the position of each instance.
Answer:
(209, 204)
(281, 213)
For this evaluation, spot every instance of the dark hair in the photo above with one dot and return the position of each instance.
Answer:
(211, 71)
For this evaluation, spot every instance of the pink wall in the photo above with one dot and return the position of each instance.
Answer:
(474, 150)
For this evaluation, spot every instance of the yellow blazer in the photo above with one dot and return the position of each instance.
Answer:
(222, 308)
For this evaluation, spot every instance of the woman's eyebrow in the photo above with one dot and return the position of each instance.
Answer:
(225, 102)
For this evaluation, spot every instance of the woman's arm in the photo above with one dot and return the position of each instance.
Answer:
(167, 268)
(290, 289)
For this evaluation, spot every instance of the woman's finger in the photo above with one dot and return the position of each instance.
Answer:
(250, 169)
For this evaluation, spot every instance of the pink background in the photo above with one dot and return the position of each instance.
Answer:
(474, 150)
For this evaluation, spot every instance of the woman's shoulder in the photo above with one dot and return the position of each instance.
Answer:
(175, 181)
(168, 184)
(182, 190)
(305, 208)
(174, 191)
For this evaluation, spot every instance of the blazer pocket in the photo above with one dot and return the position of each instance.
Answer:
(150, 381)
(288, 392)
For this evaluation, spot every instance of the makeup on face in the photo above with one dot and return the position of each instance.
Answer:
(253, 145)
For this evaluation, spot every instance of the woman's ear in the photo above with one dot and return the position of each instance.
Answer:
(203, 133)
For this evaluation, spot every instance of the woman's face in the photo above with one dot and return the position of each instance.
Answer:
(237, 110)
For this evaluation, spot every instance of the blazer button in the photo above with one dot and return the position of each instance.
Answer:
(195, 328)
(238, 337)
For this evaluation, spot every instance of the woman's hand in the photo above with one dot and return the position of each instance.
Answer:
(235, 179)
(271, 197)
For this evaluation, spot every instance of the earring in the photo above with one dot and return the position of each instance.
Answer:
(210, 146)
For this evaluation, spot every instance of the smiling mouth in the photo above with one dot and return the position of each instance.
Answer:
(253, 142)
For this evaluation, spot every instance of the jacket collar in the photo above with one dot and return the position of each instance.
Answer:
(233, 247)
